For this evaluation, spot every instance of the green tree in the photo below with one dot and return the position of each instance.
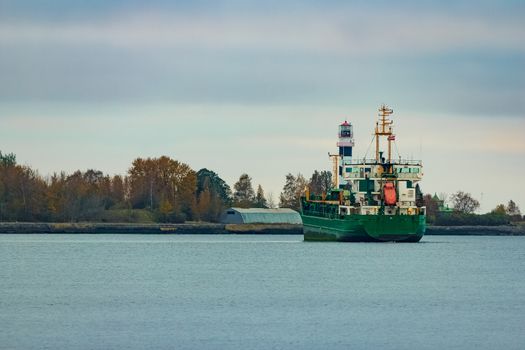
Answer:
(260, 200)
(216, 185)
(320, 182)
(287, 197)
(213, 195)
(243, 195)
(292, 191)
(7, 160)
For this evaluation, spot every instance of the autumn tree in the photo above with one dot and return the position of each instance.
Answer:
(162, 184)
(118, 192)
(22, 191)
(512, 211)
(243, 195)
(204, 205)
(24, 194)
(499, 210)
(8, 179)
(292, 191)
(209, 203)
(85, 195)
(7, 184)
(56, 196)
(156, 181)
(33, 193)
(464, 203)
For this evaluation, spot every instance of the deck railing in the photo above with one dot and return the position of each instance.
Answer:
(398, 161)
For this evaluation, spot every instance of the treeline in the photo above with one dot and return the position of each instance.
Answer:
(462, 219)
(166, 190)
(462, 211)
(154, 190)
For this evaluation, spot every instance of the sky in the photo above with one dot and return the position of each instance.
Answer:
(259, 87)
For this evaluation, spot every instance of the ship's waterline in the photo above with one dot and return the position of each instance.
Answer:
(365, 228)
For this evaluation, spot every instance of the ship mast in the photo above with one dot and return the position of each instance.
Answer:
(384, 128)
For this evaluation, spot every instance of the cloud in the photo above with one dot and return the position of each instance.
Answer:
(336, 55)
(348, 33)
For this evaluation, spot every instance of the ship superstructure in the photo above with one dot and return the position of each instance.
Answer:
(371, 199)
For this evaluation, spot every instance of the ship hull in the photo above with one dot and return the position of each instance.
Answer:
(365, 228)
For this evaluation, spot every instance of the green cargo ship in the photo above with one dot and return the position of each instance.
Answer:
(371, 200)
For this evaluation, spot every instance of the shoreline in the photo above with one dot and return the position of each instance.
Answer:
(220, 229)
(502, 230)
(156, 228)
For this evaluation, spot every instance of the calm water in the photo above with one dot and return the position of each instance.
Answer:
(260, 292)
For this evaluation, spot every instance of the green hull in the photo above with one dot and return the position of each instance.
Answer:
(365, 228)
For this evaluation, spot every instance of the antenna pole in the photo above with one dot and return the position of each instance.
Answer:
(377, 142)
(384, 128)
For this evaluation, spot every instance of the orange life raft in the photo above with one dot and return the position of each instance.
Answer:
(389, 193)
